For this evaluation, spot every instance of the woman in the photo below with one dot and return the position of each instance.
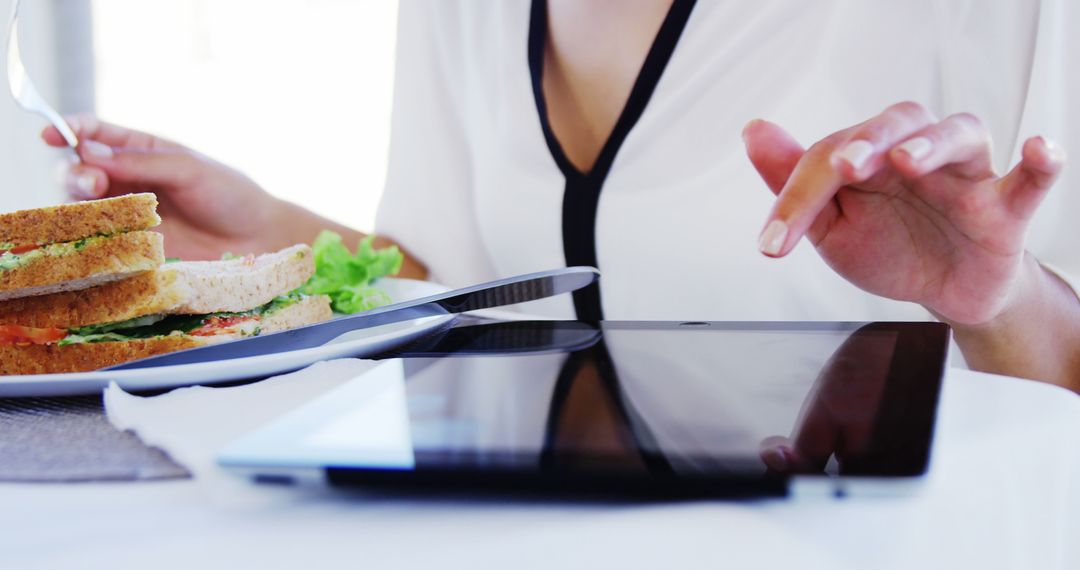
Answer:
(528, 136)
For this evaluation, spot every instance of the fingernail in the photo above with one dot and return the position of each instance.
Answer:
(856, 153)
(917, 148)
(96, 150)
(772, 239)
(1053, 149)
(775, 459)
(83, 185)
(748, 126)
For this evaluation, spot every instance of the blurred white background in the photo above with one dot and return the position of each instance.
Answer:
(296, 94)
(29, 168)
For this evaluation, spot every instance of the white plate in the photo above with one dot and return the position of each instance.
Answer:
(359, 343)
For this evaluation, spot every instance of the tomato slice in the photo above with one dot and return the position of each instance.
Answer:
(20, 248)
(24, 248)
(223, 325)
(16, 334)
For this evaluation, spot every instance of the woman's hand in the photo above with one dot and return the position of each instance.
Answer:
(909, 207)
(206, 207)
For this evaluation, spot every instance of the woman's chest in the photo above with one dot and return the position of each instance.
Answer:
(680, 211)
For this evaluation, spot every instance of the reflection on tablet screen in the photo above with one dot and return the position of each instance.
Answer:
(632, 408)
(685, 401)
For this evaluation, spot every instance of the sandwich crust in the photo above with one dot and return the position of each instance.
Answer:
(53, 359)
(69, 222)
(149, 293)
(100, 261)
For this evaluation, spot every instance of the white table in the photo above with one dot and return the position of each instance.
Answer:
(1004, 492)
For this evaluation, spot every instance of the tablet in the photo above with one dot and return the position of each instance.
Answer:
(625, 409)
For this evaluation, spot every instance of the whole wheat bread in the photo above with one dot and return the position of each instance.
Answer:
(70, 222)
(99, 261)
(52, 359)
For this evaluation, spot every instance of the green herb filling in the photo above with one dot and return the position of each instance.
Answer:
(153, 326)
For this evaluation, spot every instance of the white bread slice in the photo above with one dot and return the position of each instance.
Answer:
(237, 285)
(189, 287)
(51, 359)
(100, 261)
(313, 309)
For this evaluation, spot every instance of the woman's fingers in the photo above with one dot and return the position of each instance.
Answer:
(89, 127)
(1024, 187)
(111, 153)
(52, 137)
(160, 169)
(85, 182)
(772, 151)
(779, 455)
(847, 157)
(961, 142)
(862, 153)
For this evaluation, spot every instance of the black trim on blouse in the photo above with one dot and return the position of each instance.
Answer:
(581, 199)
(644, 441)
(582, 195)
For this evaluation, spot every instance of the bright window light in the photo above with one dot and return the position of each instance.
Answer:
(296, 94)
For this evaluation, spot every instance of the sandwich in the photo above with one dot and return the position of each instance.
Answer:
(76, 246)
(177, 306)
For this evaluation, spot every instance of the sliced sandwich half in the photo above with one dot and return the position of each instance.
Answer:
(76, 246)
(181, 305)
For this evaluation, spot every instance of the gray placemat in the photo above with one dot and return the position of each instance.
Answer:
(69, 439)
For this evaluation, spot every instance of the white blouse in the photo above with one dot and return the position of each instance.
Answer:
(475, 192)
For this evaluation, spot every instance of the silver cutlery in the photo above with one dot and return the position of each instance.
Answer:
(23, 90)
(498, 293)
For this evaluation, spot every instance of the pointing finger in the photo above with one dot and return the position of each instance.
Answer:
(806, 204)
(772, 151)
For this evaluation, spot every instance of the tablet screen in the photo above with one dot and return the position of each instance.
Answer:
(648, 400)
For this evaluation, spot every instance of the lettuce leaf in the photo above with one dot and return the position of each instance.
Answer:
(135, 323)
(346, 277)
(88, 338)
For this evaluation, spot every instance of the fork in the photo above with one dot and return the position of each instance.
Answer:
(23, 90)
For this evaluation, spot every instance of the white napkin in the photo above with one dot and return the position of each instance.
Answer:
(193, 424)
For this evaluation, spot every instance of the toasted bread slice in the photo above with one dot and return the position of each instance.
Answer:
(149, 293)
(51, 359)
(71, 268)
(70, 222)
(190, 287)
(54, 359)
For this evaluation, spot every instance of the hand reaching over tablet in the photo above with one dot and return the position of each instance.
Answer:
(909, 207)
